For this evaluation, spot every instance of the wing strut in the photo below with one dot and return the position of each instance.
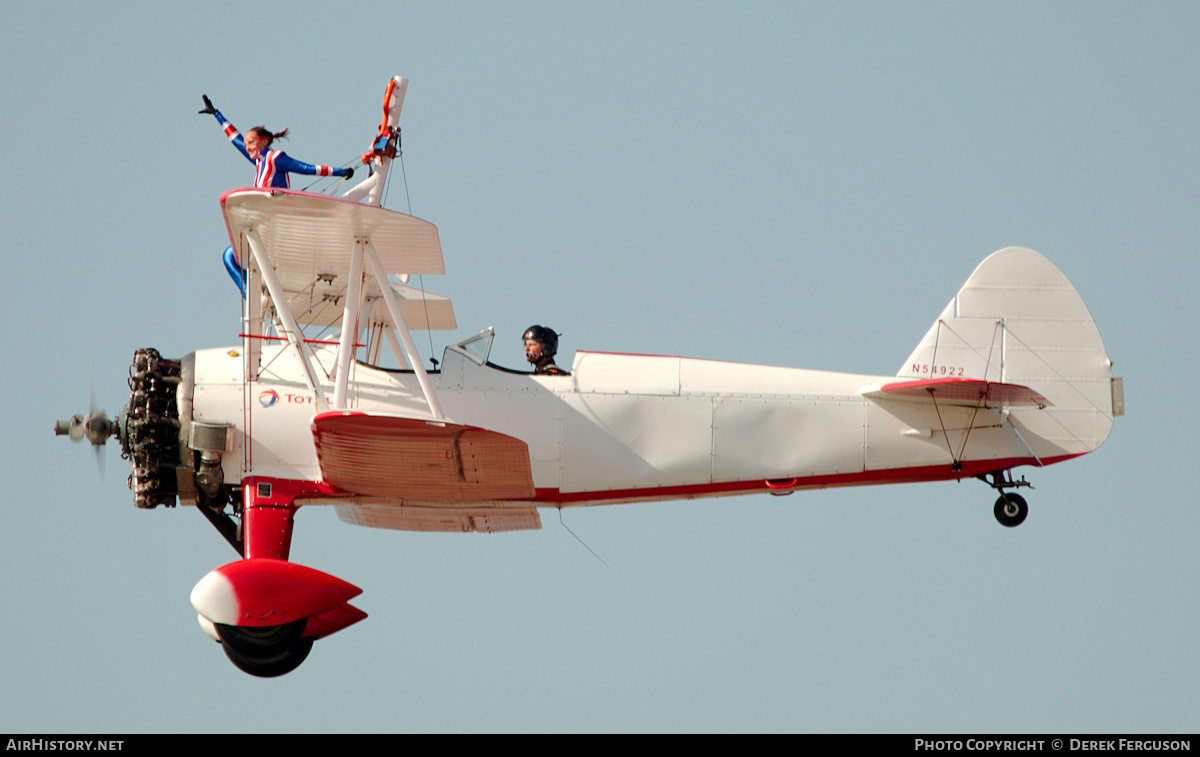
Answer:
(346, 345)
(290, 328)
(410, 348)
(364, 252)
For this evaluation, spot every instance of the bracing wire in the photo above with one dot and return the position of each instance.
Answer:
(585, 546)
(420, 277)
(337, 181)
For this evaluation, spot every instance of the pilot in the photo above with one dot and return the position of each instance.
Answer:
(541, 344)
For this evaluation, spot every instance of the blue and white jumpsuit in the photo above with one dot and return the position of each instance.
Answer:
(271, 169)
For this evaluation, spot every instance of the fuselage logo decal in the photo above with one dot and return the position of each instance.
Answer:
(268, 398)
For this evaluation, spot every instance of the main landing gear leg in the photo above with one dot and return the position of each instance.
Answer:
(266, 611)
(267, 519)
(1010, 509)
(267, 529)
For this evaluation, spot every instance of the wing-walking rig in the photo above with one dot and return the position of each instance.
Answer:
(303, 411)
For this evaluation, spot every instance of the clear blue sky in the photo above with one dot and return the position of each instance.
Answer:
(795, 183)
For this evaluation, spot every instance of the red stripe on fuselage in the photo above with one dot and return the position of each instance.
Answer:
(969, 469)
(549, 497)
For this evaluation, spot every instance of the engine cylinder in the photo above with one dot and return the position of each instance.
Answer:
(149, 430)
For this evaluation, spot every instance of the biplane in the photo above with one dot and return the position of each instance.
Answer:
(1012, 373)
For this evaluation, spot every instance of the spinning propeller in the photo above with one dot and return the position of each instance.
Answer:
(96, 427)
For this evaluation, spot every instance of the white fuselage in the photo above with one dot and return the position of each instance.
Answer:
(630, 427)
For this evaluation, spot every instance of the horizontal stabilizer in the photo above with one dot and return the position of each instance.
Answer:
(488, 520)
(960, 391)
(419, 460)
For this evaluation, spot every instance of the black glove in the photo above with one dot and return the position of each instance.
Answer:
(208, 106)
(349, 172)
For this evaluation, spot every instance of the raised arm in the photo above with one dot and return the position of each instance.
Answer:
(285, 162)
(232, 133)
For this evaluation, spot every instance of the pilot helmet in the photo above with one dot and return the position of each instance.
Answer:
(547, 338)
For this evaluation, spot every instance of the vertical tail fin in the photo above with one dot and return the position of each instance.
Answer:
(1018, 320)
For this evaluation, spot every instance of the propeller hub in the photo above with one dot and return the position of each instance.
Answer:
(96, 427)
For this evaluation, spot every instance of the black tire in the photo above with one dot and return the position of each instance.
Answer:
(271, 666)
(1011, 510)
(261, 642)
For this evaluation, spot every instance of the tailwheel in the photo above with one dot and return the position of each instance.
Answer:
(1011, 509)
(266, 652)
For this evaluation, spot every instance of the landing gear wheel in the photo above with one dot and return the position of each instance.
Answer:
(268, 651)
(1011, 510)
(261, 642)
(270, 666)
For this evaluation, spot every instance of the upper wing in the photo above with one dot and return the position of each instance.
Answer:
(418, 460)
(307, 237)
(960, 391)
